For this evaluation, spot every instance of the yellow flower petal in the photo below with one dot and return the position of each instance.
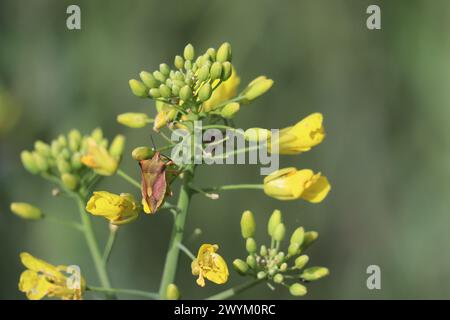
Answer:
(317, 191)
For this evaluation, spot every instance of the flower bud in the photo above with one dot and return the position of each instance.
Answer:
(251, 261)
(179, 62)
(205, 92)
(263, 251)
(189, 52)
(309, 238)
(297, 290)
(70, 181)
(74, 140)
(274, 221)
(301, 261)
(278, 278)
(62, 141)
(75, 161)
(293, 248)
(42, 148)
(227, 70)
(172, 292)
(165, 69)
(216, 70)
(26, 210)
(247, 224)
(297, 236)
(165, 91)
(142, 153)
(261, 275)
(203, 73)
(240, 266)
(133, 120)
(158, 75)
(224, 52)
(230, 110)
(40, 161)
(148, 79)
(138, 88)
(154, 93)
(250, 245)
(257, 87)
(283, 267)
(117, 146)
(279, 232)
(211, 53)
(185, 93)
(314, 273)
(63, 165)
(188, 66)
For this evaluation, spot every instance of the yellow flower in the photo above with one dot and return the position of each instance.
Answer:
(301, 137)
(209, 265)
(292, 184)
(118, 209)
(225, 91)
(43, 279)
(99, 159)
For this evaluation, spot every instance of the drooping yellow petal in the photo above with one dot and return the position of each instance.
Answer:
(317, 190)
(301, 137)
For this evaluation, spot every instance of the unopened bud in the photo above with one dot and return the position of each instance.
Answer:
(315, 273)
(298, 236)
(263, 251)
(279, 232)
(117, 146)
(165, 91)
(309, 238)
(205, 92)
(148, 79)
(70, 181)
(301, 261)
(172, 292)
(278, 278)
(251, 261)
(274, 221)
(257, 87)
(227, 70)
(250, 245)
(185, 93)
(240, 266)
(230, 110)
(133, 120)
(164, 69)
(216, 70)
(224, 52)
(247, 224)
(142, 153)
(138, 88)
(154, 93)
(26, 210)
(179, 62)
(297, 290)
(261, 275)
(189, 52)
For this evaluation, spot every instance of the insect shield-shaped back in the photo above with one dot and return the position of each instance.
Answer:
(156, 180)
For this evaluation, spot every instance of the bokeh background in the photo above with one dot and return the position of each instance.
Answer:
(384, 95)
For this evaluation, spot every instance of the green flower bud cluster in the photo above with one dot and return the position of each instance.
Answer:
(62, 158)
(270, 263)
(192, 79)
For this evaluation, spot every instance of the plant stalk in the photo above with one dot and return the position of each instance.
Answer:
(170, 266)
(100, 266)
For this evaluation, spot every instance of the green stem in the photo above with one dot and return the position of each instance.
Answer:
(129, 179)
(93, 248)
(234, 187)
(186, 251)
(110, 243)
(150, 295)
(71, 224)
(232, 291)
(170, 266)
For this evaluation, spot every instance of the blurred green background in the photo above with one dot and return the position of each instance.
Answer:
(384, 95)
